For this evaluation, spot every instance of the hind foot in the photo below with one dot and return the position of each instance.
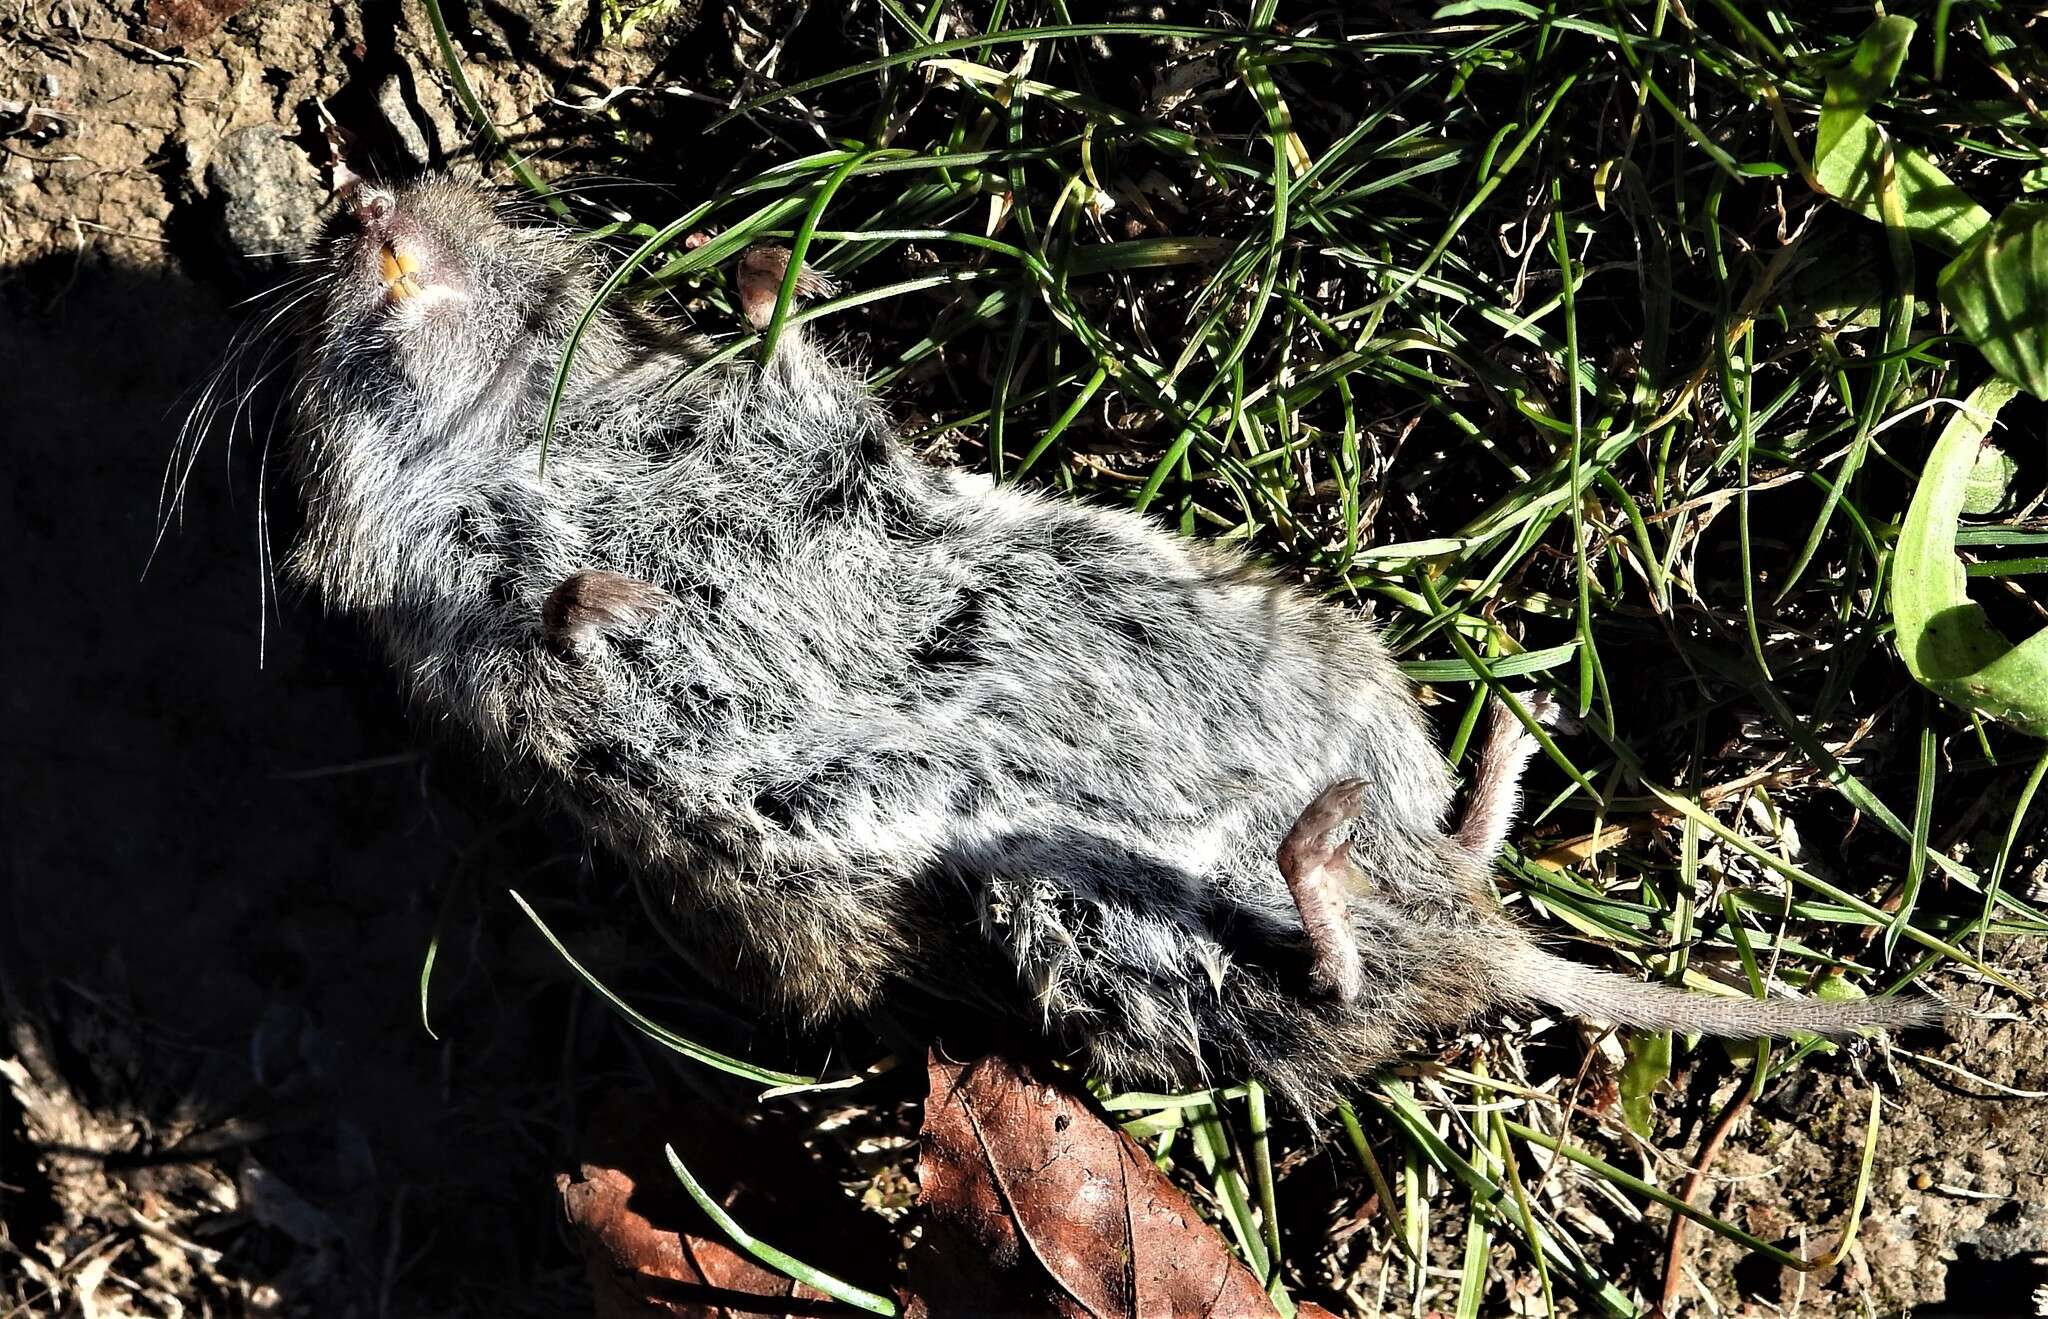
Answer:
(589, 604)
(1317, 867)
(1545, 710)
(760, 283)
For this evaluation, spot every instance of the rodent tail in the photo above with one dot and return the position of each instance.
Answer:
(1528, 973)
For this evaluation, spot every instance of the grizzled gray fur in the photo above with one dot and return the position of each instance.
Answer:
(870, 724)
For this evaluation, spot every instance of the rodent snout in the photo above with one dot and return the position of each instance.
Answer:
(391, 245)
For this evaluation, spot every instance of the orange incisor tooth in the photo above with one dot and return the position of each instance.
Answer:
(398, 269)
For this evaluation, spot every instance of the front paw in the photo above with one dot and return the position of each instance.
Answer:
(590, 604)
(762, 269)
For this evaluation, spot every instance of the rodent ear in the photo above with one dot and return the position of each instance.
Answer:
(367, 203)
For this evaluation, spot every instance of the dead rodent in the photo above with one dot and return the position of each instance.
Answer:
(872, 724)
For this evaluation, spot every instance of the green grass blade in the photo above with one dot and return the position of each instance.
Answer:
(658, 1033)
(781, 1261)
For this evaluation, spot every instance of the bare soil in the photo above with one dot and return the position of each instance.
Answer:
(224, 858)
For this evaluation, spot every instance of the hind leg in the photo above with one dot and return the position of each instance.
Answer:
(1317, 867)
(1497, 784)
(1153, 993)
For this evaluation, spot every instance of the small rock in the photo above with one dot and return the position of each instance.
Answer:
(410, 137)
(268, 195)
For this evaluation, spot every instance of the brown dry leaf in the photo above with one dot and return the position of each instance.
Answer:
(652, 1254)
(171, 24)
(1577, 851)
(1033, 1204)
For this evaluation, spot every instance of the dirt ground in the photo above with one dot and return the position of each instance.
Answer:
(224, 858)
(223, 855)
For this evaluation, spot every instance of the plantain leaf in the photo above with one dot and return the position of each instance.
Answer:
(1862, 80)
(1989, 487)
(1949, 644)
(1850, 151)
(1837, 989)
(1648, 1066)
(1997, 289)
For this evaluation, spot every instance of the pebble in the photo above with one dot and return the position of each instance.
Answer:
(268, 195)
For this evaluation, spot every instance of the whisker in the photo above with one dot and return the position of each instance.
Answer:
(232, 377)
(278, 290)
(266, 575)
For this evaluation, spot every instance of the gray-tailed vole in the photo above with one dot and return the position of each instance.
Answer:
(867, 722)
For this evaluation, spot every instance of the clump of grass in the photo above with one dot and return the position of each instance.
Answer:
(1526, 329)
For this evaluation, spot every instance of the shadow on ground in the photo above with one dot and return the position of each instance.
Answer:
(219, 876)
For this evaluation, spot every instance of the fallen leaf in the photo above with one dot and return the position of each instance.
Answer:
(1032, 1203)
(176, 23)
(652, 1254)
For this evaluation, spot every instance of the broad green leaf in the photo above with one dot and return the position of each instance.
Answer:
(1850, 152)
(1648, 1066)
(1989, 487)
(1468, 8)
(1997, 290)
(1837, 989)
(1508, 666)
(1862, 80)
(1937, 212)
(1949, 643)
(1845, 279)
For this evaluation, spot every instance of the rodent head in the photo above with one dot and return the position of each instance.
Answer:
(437, 303)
